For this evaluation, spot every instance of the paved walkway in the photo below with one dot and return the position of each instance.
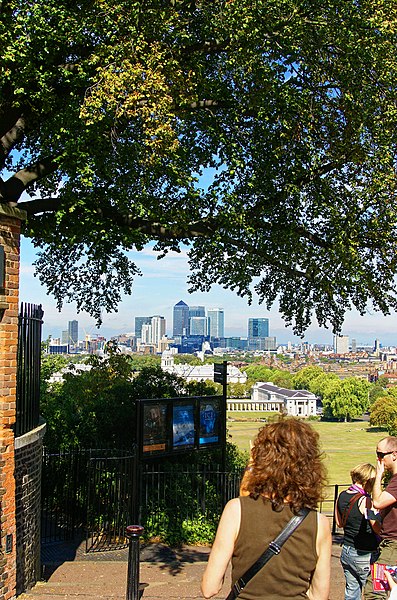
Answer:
(69, 573)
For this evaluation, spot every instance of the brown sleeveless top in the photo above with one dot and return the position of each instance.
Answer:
(287, 575)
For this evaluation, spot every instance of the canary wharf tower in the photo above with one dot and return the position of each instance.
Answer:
(181, 319)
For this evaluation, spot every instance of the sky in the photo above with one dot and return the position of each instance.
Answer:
(164, 283)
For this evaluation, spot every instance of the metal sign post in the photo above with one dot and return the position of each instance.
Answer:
(220, 376)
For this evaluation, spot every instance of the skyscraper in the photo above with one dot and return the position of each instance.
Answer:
(139, 321)
(198, 326)
(216, 321)
(181, 319)
(258, 331)
(196, 311)
(73, 332)
(146, 334)
(158, 329)
(341, 344)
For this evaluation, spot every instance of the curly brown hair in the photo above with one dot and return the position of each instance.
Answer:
(287, 465)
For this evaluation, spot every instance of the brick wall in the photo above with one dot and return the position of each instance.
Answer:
(10, 221)
(28, 459)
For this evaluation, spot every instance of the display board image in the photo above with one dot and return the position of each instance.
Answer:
(209, 421)
(155, 427)
(183, 425)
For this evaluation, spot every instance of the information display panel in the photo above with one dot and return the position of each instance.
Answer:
(169, 426)
(183, 425)
(155, 435)
(210, 421)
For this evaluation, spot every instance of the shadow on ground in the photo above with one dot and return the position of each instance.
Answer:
(167, 559)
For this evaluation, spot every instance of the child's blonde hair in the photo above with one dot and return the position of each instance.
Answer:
(364, 474)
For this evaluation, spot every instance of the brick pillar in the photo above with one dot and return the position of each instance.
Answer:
(10, 226)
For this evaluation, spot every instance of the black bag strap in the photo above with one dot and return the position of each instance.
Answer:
(273, 548)
(348, 508)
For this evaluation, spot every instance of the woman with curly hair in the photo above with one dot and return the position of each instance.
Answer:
(285, 475)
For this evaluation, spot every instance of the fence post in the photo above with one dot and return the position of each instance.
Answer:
(133, 532)
(333, 514)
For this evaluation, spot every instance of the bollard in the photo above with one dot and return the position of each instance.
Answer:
(133, 532)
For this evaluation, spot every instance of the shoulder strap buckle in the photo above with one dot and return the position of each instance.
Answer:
(274, 547)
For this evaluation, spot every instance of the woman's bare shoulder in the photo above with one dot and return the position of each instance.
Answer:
(324, 525)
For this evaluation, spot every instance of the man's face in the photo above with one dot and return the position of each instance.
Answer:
(385, 455)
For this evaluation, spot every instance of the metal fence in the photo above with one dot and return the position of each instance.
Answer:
(87, 494)
(111, 499)
(30, 322)
(95, 494)
(175, 502)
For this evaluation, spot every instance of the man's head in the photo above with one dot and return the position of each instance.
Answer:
(386, 452)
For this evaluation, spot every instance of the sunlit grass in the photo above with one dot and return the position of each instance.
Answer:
(344, 444)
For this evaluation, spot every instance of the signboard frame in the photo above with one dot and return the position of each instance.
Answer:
(198, 421)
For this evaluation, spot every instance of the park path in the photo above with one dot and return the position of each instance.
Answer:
(164, 573)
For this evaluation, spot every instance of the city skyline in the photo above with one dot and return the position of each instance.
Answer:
(164, 283)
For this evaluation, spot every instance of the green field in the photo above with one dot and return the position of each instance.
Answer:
(344, 444)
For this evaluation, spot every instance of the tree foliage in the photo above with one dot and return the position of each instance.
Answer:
(342, 399)
(346, 399)
(384, 411)
(280, 377)
(376, 390)
(303, 378)
(96, 408)
(111, 111)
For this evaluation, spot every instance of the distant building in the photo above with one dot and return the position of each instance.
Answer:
(65, 337)
(196, 311)
(158, 330)
(198, 326)
(188, 344)
(73, 332)
(153, 334)
(163, 344)
(354, 346)
(341, 344)
(216, 322)
(58, 349)
(258, 331)
(269, 397)
(139, 321)
(235, 343)
(270, 343)
(146, 334)
(180, 324)
(199, 373)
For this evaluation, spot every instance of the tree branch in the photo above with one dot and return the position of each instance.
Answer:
(12, 137)
(12, 189)
(40, 205)
(208, 47)
(8, 117)
(159, 231)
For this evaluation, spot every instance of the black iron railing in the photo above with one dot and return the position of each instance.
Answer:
(91, 494)
(177, 501)
(94, 493)
(30, 322)
(87, 493)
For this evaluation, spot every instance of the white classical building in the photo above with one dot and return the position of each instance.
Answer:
(269, 397)
(200, 372)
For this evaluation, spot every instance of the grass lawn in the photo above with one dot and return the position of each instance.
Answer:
(344, 444)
